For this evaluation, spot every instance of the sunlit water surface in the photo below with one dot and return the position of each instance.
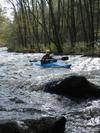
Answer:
(19, 98)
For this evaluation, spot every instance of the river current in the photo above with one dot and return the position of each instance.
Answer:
(21, 95)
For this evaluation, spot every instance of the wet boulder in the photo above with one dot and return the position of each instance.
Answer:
(10, 127)
(74, 86)
(43, 125)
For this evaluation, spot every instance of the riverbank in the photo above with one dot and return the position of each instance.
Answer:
(78, 49)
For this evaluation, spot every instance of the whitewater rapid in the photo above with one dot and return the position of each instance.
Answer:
(21, 95)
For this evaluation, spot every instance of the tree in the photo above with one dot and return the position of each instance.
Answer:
(40, 23)
(4, 23)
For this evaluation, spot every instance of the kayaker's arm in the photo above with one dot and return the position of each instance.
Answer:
(51, 59)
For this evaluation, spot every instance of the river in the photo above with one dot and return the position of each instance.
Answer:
(19, 98)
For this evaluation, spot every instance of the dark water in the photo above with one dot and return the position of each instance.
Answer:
(19, 98)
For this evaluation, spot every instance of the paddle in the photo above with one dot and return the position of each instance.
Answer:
(52, 60)
(64, 58)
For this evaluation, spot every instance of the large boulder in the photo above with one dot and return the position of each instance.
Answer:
(74, 86)
(43, 125)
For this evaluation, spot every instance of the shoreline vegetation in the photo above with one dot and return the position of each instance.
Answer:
(79, 49)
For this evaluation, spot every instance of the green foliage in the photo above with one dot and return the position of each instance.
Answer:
(53, 47)
(4, 28)
(81, 48)
(58, 24)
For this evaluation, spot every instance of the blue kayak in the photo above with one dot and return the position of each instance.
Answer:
(58, 64)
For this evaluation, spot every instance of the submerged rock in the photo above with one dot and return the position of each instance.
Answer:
(74, 86)
(43, 125)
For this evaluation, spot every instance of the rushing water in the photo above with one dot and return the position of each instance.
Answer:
(19, 98)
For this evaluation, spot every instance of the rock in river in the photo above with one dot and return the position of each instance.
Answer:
(74, 86)
(43, 125)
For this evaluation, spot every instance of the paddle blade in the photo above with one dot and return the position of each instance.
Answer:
(33, 60)
(65, 58)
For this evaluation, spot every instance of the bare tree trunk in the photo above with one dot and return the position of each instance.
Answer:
(57, 39)
(97, 18)
(73, 27)
(83, 22)
(92, 22)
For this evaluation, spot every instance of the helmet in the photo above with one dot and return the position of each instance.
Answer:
(47, 51)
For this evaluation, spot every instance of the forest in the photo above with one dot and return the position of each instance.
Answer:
(62, 26)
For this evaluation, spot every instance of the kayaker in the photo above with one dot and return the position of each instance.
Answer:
(46, 58)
